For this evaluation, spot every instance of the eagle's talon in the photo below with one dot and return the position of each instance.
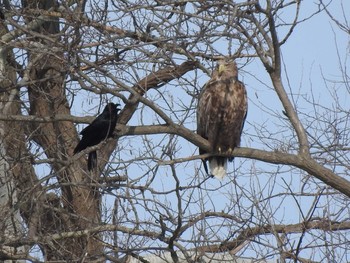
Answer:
(230, 151)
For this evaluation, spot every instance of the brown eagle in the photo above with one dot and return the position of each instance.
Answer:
(221, 112)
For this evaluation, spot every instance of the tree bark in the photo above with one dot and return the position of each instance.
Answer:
(11, 162)
(77, 208)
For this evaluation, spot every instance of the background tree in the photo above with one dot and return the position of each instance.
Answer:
(286, 199)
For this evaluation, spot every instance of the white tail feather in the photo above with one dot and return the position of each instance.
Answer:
(216, 169)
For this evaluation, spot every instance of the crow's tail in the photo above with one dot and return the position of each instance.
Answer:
(92, 160)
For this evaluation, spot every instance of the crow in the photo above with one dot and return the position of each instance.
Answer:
(100, 129)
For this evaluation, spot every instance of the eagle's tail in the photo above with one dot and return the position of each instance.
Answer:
(218, 166)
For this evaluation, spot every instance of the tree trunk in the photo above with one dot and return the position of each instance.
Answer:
(45, 212)
(10, 160)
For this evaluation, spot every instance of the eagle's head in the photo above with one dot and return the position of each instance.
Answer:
(225, 69)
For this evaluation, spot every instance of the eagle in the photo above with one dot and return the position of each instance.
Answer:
(100, 129)
(221, 113)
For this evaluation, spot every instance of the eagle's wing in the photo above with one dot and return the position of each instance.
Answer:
(207, 112)
(235, 115)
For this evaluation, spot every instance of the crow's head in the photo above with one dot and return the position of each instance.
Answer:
(112, 108)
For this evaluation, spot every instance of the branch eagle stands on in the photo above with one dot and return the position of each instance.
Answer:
(221, 112)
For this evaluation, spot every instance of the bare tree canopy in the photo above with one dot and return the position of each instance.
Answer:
(285, 197)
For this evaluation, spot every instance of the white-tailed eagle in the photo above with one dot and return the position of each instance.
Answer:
(221, 112)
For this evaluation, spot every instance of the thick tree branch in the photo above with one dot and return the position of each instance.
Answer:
(250, 233)
(305, 163)
(153, 81)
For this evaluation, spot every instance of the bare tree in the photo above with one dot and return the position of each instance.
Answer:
(287, 198)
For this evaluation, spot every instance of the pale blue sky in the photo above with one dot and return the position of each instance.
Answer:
(312, 48)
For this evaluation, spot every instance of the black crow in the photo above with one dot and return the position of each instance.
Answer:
(100, 129)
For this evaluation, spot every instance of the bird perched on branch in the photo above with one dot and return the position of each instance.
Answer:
(100, 129)
(221, 112)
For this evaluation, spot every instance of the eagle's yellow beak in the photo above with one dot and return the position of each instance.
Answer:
(221, 69)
